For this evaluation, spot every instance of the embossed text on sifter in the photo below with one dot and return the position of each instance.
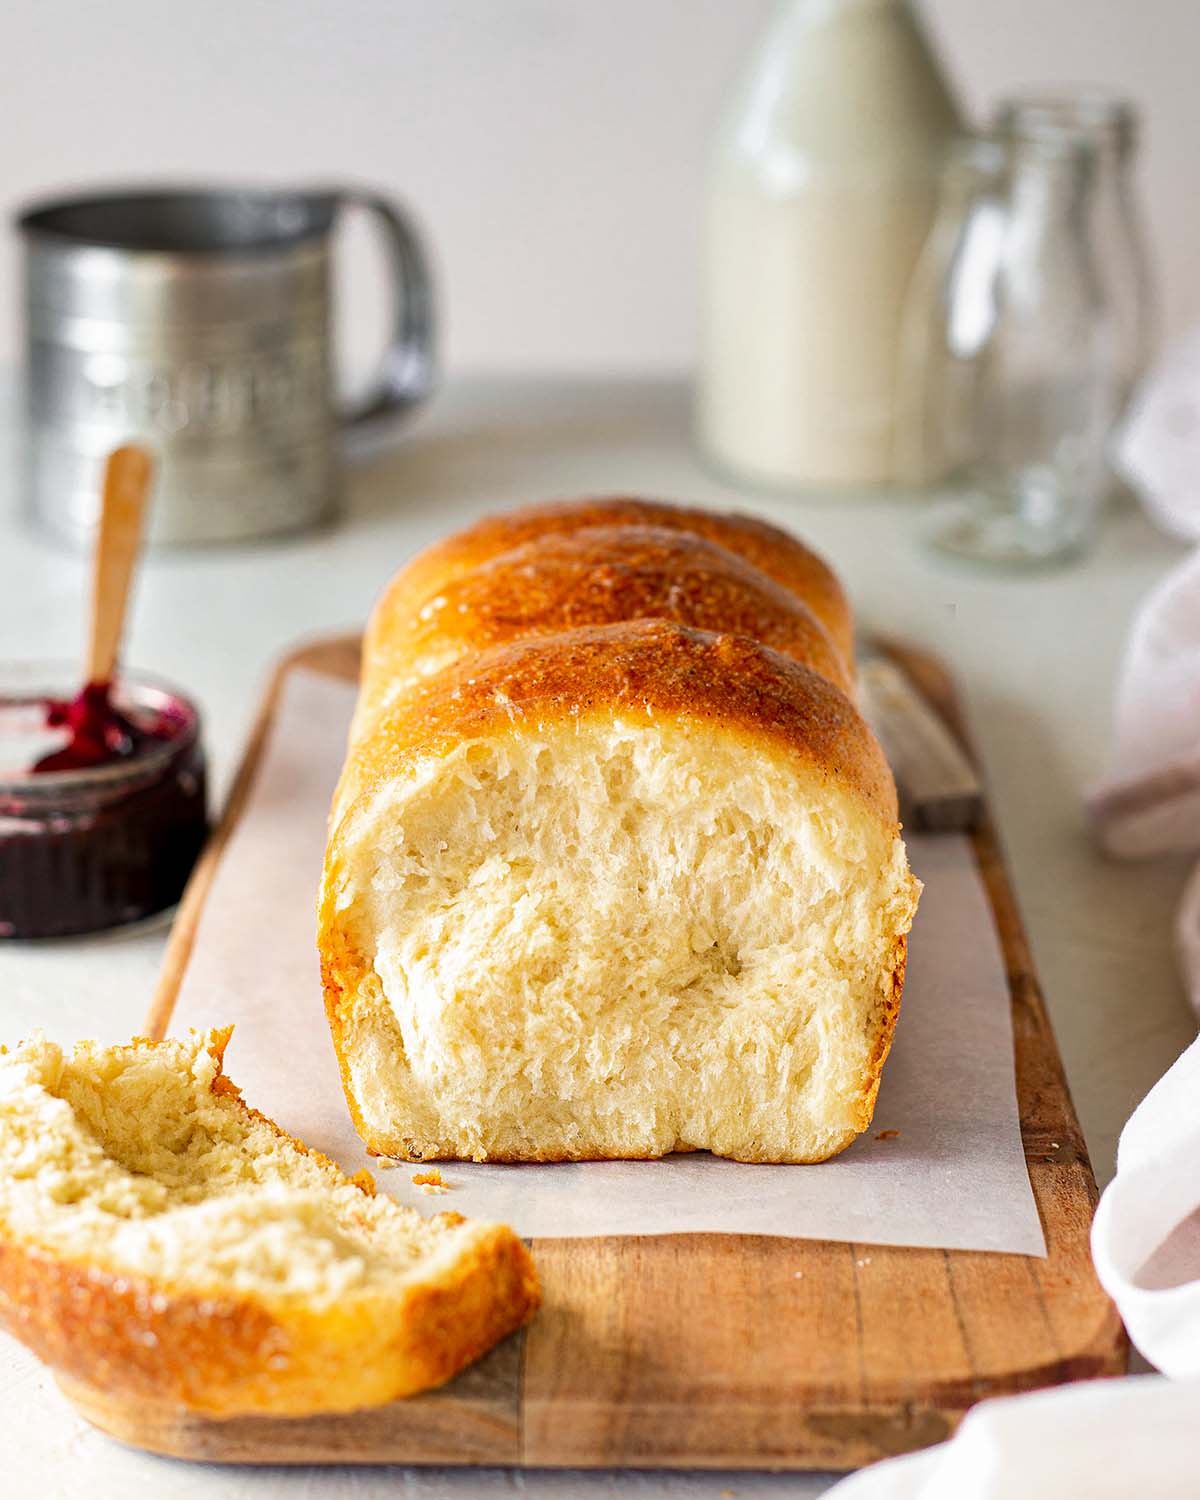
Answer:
(198, 322)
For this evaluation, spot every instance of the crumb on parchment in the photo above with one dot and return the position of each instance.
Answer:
(431, 1181)
(887, 1135)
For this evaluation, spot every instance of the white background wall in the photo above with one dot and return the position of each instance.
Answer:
(554, 148)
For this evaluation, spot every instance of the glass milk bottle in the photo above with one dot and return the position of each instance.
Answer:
(822, 191)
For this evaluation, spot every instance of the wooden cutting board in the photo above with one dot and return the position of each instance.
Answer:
(720, 1351)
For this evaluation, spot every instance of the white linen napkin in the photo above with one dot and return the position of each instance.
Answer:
(1149, 802)
(1106, 1439)
(1158, 450)
(1110, 1440)
(1146, 1233)
(1132, 1439)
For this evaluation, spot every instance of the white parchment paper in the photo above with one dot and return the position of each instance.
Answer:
(952, 1176)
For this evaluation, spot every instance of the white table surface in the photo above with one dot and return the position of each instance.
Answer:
(1036, 657)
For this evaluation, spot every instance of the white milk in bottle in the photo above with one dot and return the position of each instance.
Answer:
(822, 192)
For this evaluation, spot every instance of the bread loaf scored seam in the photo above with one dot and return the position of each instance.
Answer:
(597, 575)
(773, 552)
(614, 866)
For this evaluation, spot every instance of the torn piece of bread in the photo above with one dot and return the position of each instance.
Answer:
(615, 892)
(160, 1239)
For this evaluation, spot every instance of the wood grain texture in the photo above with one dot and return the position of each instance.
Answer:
(473, 1420)
(726, 1351)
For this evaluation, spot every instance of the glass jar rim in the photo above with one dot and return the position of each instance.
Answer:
(1090, 115)
(37, 681)
(993, 154)
(992, 157)
(976, 151)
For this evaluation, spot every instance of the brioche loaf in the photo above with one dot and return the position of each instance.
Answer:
(601, 888)
(161, 1240)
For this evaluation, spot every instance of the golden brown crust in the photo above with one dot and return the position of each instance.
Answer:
(773, 551)
(894, 981)
(232, 1356)
(123, 1334)
(645, 667)
(228, 1354)
(600, 575)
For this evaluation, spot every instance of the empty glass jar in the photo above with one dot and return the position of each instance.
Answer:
(1011, 349)
(1109, 126)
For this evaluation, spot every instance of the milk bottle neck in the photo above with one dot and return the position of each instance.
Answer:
(847, 86)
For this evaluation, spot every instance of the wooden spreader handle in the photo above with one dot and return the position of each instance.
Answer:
(126, 485)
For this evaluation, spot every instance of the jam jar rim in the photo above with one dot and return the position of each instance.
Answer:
(42, 679)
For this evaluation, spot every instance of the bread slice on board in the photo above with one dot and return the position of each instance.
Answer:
(159, 1238)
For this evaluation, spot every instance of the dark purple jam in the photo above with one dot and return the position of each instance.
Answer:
(103, 825)
(98, 732)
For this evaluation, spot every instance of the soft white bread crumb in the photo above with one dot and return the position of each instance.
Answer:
(611, 938)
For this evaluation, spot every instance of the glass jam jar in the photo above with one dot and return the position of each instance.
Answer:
(82, 850)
